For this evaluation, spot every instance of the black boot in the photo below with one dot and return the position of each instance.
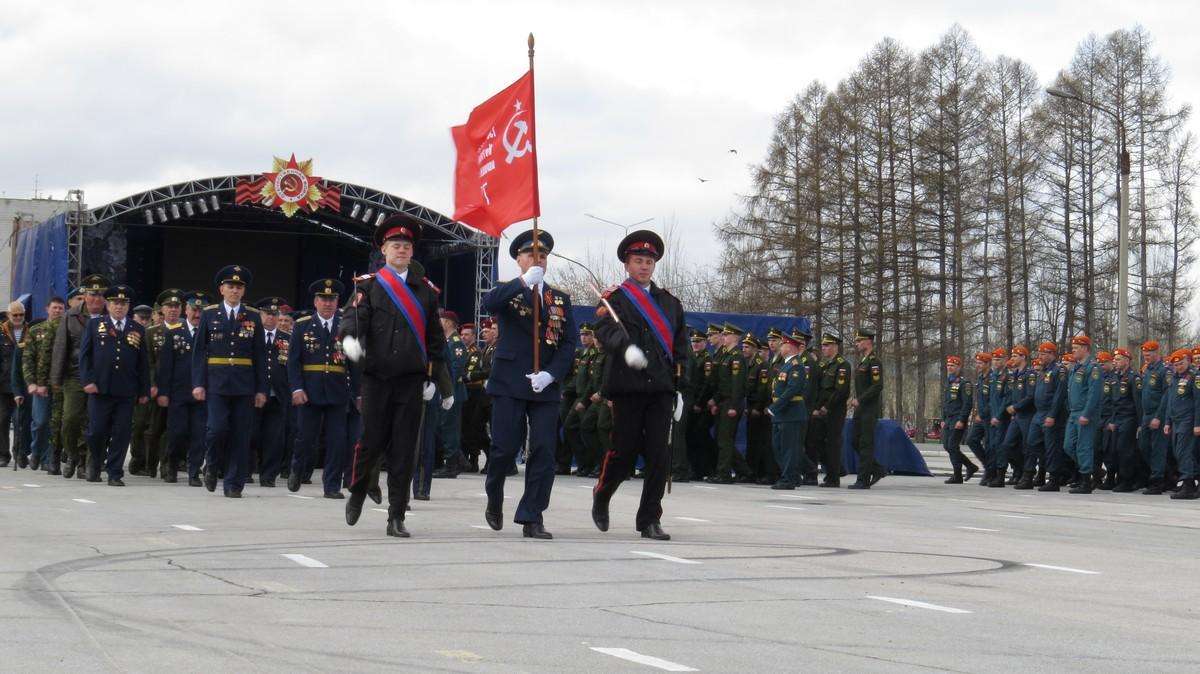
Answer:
(971, 470)
(1026, 481)
(1155, 488)
(987, 477)
(956, 478)
(1187, 492)
(600, 514)
(1108, 484)
(395, 527)
(998, 478)
(1051, 484)
(1040, 479)
(1084, 487)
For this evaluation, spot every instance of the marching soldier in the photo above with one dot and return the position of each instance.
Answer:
(1152, 443)
(867, 403)
(998, 417)
(474, 423)
(641, 381)
(1046, 428)
(143, 460)
(759, 431)
(564, 451)
(829, 407)
(229, 373)
(699, 432)
(1084, 390)
(113, 372)
(321, 389)
(727, 406)
(981, 416)
(526, 390)
(810, 359)
(393, 331)
(46, 408)
(1122, 424)
(1177, 417)
(271, 420)
(589, 420)
(1023, 381)
(789, 413)
(957, 403)
(64, 373)
(1105, 452)
(681, 466)
(449, 429)
(186, 416)
(170, 302)
(489, 334)
(580, 397)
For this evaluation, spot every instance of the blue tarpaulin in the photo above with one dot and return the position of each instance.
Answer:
(893, 450)
(40, 263)
(756, 323)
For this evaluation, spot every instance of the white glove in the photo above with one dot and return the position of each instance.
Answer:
(635, 357)
(428, 391)
(533, 276)
(769, 412)
(540, 380)
(447, 402)
(352, 348)
(678, 406)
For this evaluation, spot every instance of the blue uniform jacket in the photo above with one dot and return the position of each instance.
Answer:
(229, 358)
(983, 397)
(277, 365)
(115, 361)
(787, 392)
(512, 306)
(456, 362)
(1050, 395)
(1152, 386)
(174, 374)
(998, 396)
(1178, 408)
(316, 364)
(1021, 388)
(1085, 388)
(956, 400)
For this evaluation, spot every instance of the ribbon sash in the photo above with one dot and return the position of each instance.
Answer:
(406, 301)
(655, 318)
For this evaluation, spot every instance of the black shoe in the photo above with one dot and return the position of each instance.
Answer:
(971, 470)
(654, 530)
(395, 527)
(764, 480)
(210, 480)
(266, 483)
(1026, 481)
(334, 494)
(600, 515)
(557, 471)
(997, 482)
(54, 470)
(249, 479)
(783, 485)
(1040, 478)
(354, 506)
(494, 518)
(719, 479)
(878, 475)
(293, 482)
(195, 482)
(535, 530)
(115, 482)
(231, 493)
(1051, 484)
(1123, 488)
(834, 484)
(307, 480)
(956, 478)
(23, 462)
(1108, 484)
(513, 471)
(170, 478)
(860, 484)
(421, 497)
(375, 494)
(69, 471)
(79, 474)
(1084, 487)
(446, 473)
(1155, 488)
(1187, 492)
(1012, 480)
(809, 481)
(93, 474)
(987, 477)
(681, 478)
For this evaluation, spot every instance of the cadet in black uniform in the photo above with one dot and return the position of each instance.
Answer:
(113, 371)
(867, 403)
(642, 381)
(829, 410)
(186, 416)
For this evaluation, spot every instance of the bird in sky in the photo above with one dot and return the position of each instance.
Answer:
(732, 151)
(703, 180)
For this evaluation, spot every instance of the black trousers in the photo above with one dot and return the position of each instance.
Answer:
(6, 410)
(835, 426)
(268, 437)
(391, 410)
(641, 423)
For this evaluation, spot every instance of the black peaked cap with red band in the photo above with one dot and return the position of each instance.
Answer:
(398, 226)
(641, 242)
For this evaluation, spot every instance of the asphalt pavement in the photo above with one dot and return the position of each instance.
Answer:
(912, 575)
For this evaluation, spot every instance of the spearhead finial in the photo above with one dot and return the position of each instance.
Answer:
(531, 41)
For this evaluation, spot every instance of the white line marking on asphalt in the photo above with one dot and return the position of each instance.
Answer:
(1134, 515)
(918, 604)
(82, 500)
(187, 527)
(304, 560)
(806, 498)
(32, 486)
(585, 486)
(648, 660)
(967, 500)
(380, 510)
(703, 486)
(479, 526)
(977, 529)
(1064, 568)
(786, 507)
(665, 558)
(1017, 517)
(307, 498)
(694, 519)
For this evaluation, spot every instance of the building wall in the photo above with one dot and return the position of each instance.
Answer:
(30, 212)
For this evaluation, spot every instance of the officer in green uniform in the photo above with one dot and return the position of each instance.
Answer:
(577, 383)
(171, 303)
(139, 462)
(789, 414)
(682, 431)
(589, 423)
(867, 404)
(810, 359)
(699, 432)
(564, 451)
(829, 408)
(46, 407)
(474, 424)
(64, 373)
(729, 404)
(449, 428)
(758, 423)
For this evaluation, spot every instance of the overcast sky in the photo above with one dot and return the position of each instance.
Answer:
(636, 100)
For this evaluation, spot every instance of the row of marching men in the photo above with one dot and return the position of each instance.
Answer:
(1083, 421)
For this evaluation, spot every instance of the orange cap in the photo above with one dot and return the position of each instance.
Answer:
(1150, 345)
(1122, 352)
(1020, 351)
(1178, 355)
(1104, 357)
(1081, 340)
(983, 357)
(953, 360)
(1000, 352)
(1048, 347)
(1068, 358)
(1195, 351)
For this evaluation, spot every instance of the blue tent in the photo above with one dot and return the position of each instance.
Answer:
(40, 264)
(893, 450)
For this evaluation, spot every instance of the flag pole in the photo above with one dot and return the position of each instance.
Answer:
(537, 300)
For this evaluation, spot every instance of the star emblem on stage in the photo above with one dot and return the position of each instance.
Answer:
(289, 186)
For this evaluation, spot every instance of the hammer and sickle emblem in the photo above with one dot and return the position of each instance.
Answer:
(521, 144)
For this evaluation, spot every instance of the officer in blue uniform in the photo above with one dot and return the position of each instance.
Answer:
(113, 369)
(320, 388)
(271, 419)
(449, 428)
(524, 392)
(1044, 442)
(229, 373)
(185, 415)
(998, 411)
(1022, 382)
(1152, 443)
(1121, 426)
(957, 403)
(789, 412)
(1084, 390)
(1177, 415)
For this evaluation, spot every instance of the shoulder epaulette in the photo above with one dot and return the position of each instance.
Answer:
(173, 326)
(364, 277)
(303, 318)
(251, 309)
(211, 306)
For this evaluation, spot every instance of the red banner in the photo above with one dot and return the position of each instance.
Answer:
(495, 176)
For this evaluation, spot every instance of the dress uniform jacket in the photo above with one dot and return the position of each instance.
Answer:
(511, 304)
(116, 362)
(230, 358)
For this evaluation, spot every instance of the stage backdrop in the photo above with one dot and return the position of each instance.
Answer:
(40, 264)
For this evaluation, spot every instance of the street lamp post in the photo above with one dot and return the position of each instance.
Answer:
(1123, 211)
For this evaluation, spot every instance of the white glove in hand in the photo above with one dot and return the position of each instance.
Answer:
(533, 276)
(447, 402)
(540, 380)
(428, 391)
(678, 406)
(352, 348)
(635, 357)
